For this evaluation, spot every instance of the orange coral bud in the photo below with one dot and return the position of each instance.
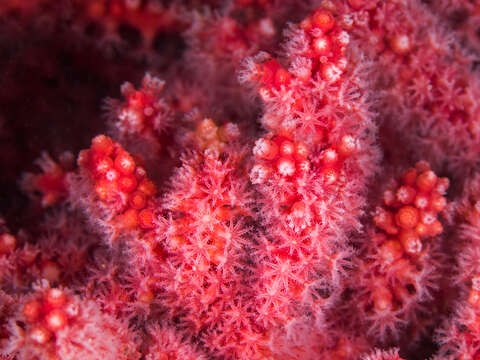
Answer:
(410, 176)
(410, 241)
(390, 251)
(32, 310)
(323, 20)
(146, 219)
(147, 187)
(102, 145)
(426, 181)
(129, 219)
(407, 217)
(347, 145)
(138, 200)
(124, 163)
(127, 183)
(406, 194)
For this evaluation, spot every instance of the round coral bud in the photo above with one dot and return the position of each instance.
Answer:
(147, 187)
(331, 73)
(330, 175)
(286, 167)
(101, 165)
(406, 194)
(127, 183)
(438, 203)
(410, 241)
(474, 298)
(112, 175)
(55, 320)
(138, 200)
(265, 149)
(146, 219)
(442, 186)
(422, 166)
(384, 220)
(40, 335)
(400, 44)
(321, 46)
(407, 217)
(388, 197)
(287, 148)
(7, 243)
(55, 297)
(301, 150)
(32, 310)
(435, 229)
(303, 166)
(421, 229)
(323, 20)
(426, 181)
(390, 251)
(104, 190)
(329, 156)
(422, 201)
(129, 219)
(102, 145)
(124, 163)
(51, 271)
(410, 176)
(347, 145)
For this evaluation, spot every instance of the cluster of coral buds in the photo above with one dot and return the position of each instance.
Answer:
(143, 110)
(328, 42)
(410, 210)
(48, 314)
(324, 55)
(279, 155)
(333, 157)
(120, 183)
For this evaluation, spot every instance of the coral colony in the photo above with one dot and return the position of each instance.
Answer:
(240, 179)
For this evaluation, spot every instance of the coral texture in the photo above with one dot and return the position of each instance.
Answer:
(240, 179)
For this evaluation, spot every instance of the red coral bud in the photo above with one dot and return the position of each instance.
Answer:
(323, 20)
(426, 181)
(407, 217)
(321, 46)
(410, 241)
(127, 183)
(265, 149)
(102, 145)
(129, 219)
(329, 156)
(400, 44)
(390, 251)
(410, 176)
(286, 167)
(347, 145)
(124, 163)
(406, 194)
(330, 175)
(301, 151)
(147, 187)
(138, 200)
(421, 201)
(32, 310)
(40, 335)
(287, 148)
(146, 219)
(55, 320)
(438, 203)
(7, 243)
(385, 221)
(55, 297)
